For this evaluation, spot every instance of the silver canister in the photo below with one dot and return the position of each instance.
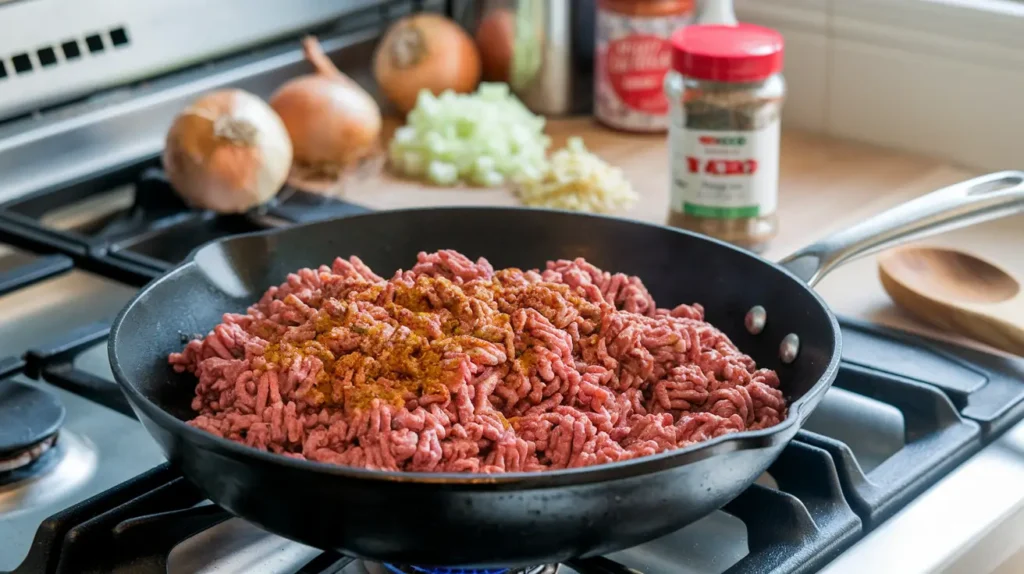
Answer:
(552, 53)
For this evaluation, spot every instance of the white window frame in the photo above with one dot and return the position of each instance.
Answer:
(942, 78)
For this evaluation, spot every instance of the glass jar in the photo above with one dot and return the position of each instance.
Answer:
(631, 57)
(726, 93)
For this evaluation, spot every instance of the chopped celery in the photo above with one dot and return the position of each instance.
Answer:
(442, 173)
(484, 139)
(484, 163)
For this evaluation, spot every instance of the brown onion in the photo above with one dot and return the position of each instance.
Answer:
(228, 151)
(332, 121)
(425, 51)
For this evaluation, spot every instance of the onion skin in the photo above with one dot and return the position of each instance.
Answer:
(425, 51)
(227, 152)
(333, 122)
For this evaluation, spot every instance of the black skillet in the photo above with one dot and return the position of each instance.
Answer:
(514, 519)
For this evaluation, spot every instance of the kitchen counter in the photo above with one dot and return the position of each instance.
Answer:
(972, 520)
(826, 184)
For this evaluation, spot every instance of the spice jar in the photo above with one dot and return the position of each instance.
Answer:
(632, 55)
(726, 93)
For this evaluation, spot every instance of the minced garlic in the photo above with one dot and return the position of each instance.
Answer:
(577, 180)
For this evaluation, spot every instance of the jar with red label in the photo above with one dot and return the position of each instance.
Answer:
(726, 92)
(632, 55)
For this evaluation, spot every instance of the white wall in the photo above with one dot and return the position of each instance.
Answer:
(944, 78)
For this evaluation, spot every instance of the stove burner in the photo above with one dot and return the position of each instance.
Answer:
(393, 569)
(29, 420)
(10, 463)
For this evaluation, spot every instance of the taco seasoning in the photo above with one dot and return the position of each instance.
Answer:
(632, 56)
(726, 93)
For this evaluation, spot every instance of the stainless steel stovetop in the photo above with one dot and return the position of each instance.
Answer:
(914, 462)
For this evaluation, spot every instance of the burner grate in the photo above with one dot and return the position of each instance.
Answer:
(938, 439)
(985, 388)
(55, 364)
(57, 535)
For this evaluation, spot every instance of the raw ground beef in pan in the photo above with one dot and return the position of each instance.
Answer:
(453, 366)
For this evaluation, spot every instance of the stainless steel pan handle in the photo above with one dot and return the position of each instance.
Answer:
(980, 199)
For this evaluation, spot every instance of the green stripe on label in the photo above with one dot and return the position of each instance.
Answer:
(721, 212)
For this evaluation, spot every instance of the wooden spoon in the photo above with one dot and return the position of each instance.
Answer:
(957, 291)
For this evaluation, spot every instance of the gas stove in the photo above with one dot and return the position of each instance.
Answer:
(914, 461)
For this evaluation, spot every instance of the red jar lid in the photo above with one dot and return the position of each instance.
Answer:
(742, 53)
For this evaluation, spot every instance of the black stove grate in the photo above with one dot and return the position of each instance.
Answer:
(34, 271)
(801, 526)
(59, 546)
(55, 364)
(937, 440)
(985, 388)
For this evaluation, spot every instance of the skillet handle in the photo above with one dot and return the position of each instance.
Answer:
(973, 201)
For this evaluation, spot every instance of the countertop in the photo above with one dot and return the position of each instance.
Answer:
(825, 185)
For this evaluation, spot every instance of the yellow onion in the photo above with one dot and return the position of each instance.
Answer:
(332, 121)
(425, 51)
(227, 152)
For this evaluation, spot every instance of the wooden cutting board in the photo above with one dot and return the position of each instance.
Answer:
(825, 185)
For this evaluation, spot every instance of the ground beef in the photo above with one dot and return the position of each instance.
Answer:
(453, 366)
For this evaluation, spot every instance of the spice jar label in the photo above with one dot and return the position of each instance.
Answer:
(633, 54)
(636, 67)
(725, 174)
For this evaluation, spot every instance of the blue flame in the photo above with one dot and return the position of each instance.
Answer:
(449, 570)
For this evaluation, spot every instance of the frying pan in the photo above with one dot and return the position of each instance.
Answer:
(513, 519)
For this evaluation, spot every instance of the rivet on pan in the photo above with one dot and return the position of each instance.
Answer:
(755, 319)
(789, 348)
